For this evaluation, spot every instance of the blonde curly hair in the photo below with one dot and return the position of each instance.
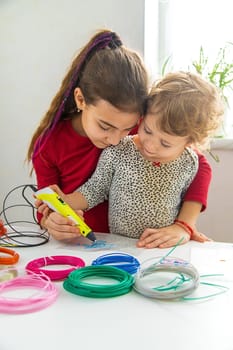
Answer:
(185, 104)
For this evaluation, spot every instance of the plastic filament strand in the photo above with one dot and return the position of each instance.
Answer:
(123, 261)
(46, 294)
(75, 282)
(37, 264)
(183, 279)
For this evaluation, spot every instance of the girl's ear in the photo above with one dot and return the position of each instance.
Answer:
(189, 142)
(79, 99)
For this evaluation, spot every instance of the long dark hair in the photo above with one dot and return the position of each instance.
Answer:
(104, 69)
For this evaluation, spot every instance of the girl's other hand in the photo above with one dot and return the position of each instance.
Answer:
(168, 236)
(164, 237)
(200, 237)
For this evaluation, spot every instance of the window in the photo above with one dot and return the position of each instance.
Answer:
(178, 28)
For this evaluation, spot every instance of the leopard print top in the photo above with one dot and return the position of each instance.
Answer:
(141, 195)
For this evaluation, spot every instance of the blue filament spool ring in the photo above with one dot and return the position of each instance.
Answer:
(122, 261)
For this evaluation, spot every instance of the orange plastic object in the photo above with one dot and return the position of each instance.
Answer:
(12, 259)
(3, 230)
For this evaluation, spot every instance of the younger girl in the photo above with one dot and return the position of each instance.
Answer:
(146, 176)
(100, 100)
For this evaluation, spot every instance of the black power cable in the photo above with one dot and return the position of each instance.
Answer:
(19, 236)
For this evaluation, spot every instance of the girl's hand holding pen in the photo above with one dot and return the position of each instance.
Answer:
(42, 208)
(58, 226)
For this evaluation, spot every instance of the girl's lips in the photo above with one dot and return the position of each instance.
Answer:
(102, 145)
(150, 156)
(147, 152)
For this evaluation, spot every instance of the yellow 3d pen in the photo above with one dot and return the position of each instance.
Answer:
(55, 202)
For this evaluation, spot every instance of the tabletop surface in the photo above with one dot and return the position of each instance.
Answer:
(131, 320)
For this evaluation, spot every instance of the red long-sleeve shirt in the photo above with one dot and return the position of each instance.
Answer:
(68, 160)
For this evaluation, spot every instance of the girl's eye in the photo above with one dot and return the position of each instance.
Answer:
(105, 128)
(147, 131)
(165, 145)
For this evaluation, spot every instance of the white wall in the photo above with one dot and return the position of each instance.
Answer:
(39, 38)
(217, 220)
(38, 41)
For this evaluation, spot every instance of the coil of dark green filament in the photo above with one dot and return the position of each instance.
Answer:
(77, 283)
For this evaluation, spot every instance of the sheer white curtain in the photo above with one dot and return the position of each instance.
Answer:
(198, 23)
(178, 28)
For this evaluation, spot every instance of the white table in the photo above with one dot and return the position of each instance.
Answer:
(131, 321)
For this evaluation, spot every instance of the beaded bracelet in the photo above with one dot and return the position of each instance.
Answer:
(8, 260)
(185, 226)
(35, 266)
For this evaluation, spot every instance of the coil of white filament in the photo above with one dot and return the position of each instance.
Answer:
(166, 278)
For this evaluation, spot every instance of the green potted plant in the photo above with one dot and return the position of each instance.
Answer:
(220, 73)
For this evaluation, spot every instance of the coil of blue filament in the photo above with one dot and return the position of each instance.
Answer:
(122, 261)
(166, 278)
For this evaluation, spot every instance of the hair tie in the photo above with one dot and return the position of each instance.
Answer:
(35, 266)
(115, 41)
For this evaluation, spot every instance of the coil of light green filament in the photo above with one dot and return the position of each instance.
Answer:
(183, 279)
(79, 282)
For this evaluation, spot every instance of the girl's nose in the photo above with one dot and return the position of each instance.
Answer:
(115, 138)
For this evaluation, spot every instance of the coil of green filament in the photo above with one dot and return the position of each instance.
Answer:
(80, 282)
(183, 278)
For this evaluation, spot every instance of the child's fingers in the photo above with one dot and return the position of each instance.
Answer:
(200, 237)
(46, 211)
(80, 214)
(43, 209)
(57, 189)
(38, 203)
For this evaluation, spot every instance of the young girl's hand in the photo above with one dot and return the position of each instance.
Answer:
(72, 199)
(62, 228)
(42, 207)
(58, 226)
(200, 237)
(168, 236)
(164, 237)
